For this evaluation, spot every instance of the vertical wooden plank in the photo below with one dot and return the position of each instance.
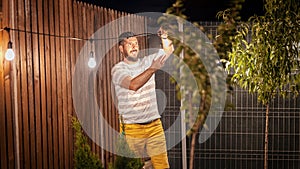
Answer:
(45, 80)
(27, 94)
(93, 117)
(116, 59)
(24, 95)
(115, 49)
(98, 48)
(84, 74)
(43, 114)
(108, 74)
(73, 32)
(113, 34)
(113, 62)
(78, 29)
(97, 83)
(48, 59)
(53, 49)
(2, 117)
(67, 85)
(103, 83)
(17, 83)
(3, 143)
(105, 103)
(61, 81)
(36, 86)
(96, 105)
(8, 91)
(109, 62)
(140, 28)
(30, 85)
(8, 114)
(58, 135)
(77, 32)
(78, 18)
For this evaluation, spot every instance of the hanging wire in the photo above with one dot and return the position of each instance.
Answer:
(68, 37)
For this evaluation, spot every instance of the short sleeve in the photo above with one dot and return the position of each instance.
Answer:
(119, 72)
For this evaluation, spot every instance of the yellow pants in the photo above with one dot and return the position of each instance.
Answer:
(148, 140)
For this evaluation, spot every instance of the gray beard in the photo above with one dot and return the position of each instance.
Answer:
(132, 59)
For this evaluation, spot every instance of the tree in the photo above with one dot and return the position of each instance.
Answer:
(269, 62)
(203, 72)
(228, 29)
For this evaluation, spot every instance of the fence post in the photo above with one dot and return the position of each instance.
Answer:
(182, 113)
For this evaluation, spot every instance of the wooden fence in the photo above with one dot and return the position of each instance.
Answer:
(45, 61)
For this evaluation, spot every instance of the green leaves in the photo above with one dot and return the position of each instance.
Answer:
(124, 160)
(266, 64)
(84, 158)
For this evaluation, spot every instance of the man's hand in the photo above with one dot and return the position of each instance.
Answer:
(166, 42)
(139, 81)
(158, 63)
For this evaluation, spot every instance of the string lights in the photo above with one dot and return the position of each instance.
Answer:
(10, 55)
(69, 37)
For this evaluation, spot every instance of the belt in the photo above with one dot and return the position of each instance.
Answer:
(148, 122)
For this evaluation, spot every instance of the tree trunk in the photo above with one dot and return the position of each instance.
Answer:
(266, 138)
(192, 151)
(199, 121)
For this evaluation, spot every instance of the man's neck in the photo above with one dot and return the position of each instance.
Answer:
(130, 60)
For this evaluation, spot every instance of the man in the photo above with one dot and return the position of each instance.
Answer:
(134, 83)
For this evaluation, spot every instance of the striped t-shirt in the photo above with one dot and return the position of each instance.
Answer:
(135, 106)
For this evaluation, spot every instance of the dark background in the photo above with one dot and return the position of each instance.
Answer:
(196, 10)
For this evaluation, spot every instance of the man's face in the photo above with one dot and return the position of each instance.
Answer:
(130, 48)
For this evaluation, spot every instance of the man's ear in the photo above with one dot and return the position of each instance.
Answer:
(121, 48)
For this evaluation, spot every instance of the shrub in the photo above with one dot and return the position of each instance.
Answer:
(84, 158)
(125, 162)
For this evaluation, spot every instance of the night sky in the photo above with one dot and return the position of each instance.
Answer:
(196, 10)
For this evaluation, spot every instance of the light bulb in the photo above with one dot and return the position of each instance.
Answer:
(165, 40)
(92, 61)
(9, 55)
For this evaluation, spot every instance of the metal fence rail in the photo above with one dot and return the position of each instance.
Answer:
(238, 142)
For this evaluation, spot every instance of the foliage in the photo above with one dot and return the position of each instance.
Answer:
(124, 160)
(201, 64)
(228, 28)
(269, 62)
(84, 158)
(195, 66)
(200, 60)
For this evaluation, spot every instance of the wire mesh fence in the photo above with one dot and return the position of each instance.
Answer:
(238, 142)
